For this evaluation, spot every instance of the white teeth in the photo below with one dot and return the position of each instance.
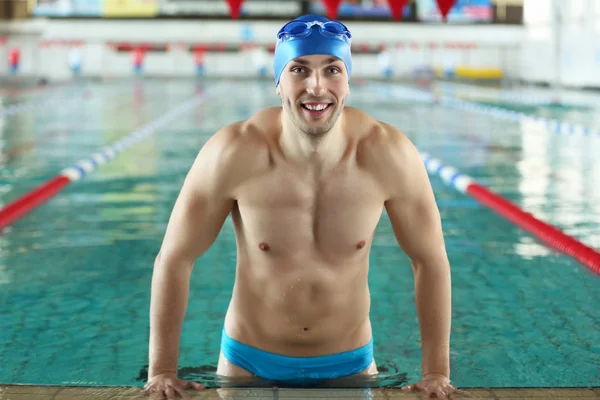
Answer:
(316, 107)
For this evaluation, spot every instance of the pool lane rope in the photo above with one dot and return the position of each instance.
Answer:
(495, 94)
(39, 195)
(52, 100)
(463, 183)
(545, 232)
(553, 125)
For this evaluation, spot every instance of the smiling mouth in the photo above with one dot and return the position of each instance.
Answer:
(316, 109)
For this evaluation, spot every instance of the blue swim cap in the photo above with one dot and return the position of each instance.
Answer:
(312, 34)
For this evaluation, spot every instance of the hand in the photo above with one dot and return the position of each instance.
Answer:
(168, 385)
(435, 384)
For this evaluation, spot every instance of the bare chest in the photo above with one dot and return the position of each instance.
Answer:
(284, 214)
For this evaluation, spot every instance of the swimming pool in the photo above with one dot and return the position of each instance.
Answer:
(75, 273)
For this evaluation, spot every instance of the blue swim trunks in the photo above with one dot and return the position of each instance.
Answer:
(278, 368)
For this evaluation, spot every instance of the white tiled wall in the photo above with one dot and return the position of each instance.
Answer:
(526, 52)
(490, 46)
(562, 42)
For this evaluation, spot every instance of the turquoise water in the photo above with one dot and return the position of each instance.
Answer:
(75, 273)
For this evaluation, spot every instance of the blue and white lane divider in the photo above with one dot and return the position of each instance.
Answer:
(62, 98)
(450, 175)
(52, 100)
(494, 94)
(42, 193)
(87, 165)
(553, 125)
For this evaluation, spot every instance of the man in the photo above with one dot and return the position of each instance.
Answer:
(305, 184)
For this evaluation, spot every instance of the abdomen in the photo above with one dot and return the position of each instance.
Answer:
(302, 309)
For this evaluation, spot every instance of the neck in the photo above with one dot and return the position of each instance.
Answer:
(305, 149)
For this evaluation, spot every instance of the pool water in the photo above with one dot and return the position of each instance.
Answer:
(75, 273)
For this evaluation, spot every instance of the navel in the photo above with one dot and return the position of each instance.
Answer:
(263, 246)
(361, 244)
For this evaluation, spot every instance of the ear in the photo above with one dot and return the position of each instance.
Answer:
(277, 91)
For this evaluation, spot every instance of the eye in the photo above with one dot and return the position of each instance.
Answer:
(334, 70)
(298, 70)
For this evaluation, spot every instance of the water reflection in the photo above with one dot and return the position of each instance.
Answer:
(555, 184)
(4, 277)
(388, 377)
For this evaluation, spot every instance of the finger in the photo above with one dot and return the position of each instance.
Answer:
(147, 387)
(194, 385)
(157, 395)
(182, 392)
(441, 394)
(170, 393)
(151, 392)
(412, 388)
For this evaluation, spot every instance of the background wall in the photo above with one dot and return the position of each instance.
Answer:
(45, 45)
(559, 43)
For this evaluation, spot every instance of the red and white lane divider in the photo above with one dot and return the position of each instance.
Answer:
(545, 232)
(41, 194)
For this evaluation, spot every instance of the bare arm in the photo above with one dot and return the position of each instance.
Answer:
(417, 225)
(198, 215)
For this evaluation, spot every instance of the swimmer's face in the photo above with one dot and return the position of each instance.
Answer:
(313, 91)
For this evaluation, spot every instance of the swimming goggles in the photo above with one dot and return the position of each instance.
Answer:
(302, 29)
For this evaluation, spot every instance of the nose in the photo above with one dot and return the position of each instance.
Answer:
(316, 85)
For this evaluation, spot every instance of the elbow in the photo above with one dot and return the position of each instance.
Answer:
(416, 265)
(168, 260)
(439, 266)
(159, 260)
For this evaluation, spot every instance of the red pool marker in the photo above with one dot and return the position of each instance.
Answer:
(14, 58)
(397, 6)
(138, 56)
(445, 6)
(199, 60)
(332, 7)
(235, 7)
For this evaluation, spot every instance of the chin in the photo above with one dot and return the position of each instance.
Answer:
(316, 132)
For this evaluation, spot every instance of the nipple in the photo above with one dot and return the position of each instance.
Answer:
(361, 244)
(263, 246)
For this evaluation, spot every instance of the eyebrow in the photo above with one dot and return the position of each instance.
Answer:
(330, 60)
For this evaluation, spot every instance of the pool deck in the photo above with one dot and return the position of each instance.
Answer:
(25, 392)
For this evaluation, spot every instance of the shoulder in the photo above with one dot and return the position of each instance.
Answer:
(241, 141)
(376, 139)
(371, 132)
(235, 152)
(388, 154)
